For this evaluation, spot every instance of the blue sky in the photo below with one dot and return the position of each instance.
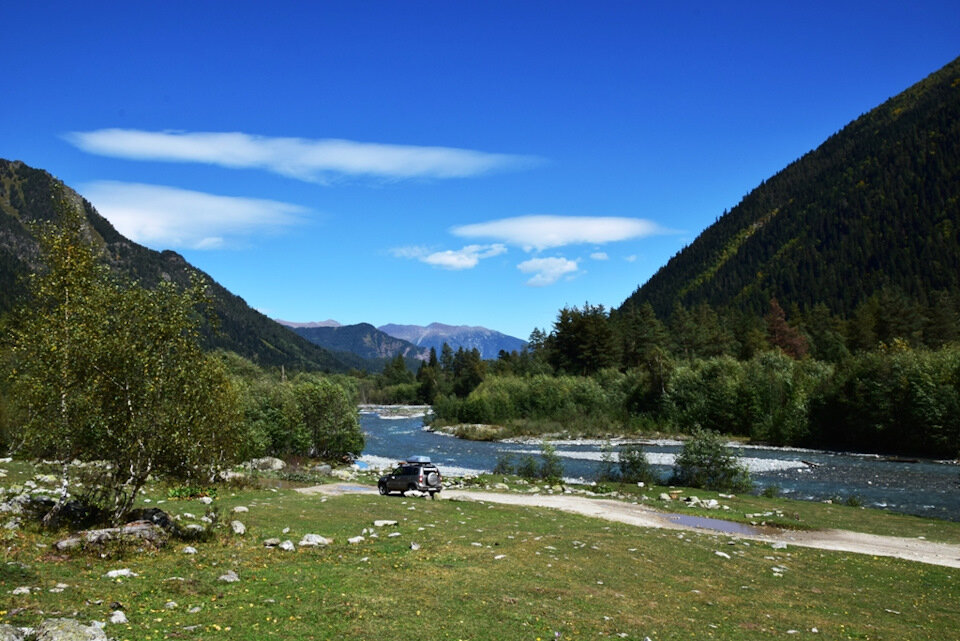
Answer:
(476, 163)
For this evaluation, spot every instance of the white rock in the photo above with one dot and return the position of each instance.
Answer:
(229, 577)
(117, 616)
(287, 545)
(23, 589)
(414, 546)
(194, 609)
(241, 509)
(393, 534)
(114, 574)
(499, 556)
(313, 540)
(355, 539)
(779, 545)
(189, 550)
(238, 527)
(723, 554)
(170, 605)
(384, 523)
(206, 500)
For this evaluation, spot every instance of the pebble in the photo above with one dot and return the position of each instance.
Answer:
(189, 550)
(722, 554)
(229, 577)
(117, 616)
(241, 509)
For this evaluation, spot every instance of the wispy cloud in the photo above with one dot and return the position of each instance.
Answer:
(465, 258)
(599, 256)
(547, 271)
(314, 160)
(545, 232)
(168, 217)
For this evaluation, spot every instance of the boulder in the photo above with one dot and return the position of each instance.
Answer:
(323, 469)
(238, 528)
(266, 464)
(135, 531)
(68, 630)
(313, 540)
(10, 633)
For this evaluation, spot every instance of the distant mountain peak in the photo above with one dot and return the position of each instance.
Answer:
(327, 323)
(489, 342)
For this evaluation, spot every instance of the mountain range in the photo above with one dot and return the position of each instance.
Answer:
(413, 341)
(875, 208)
(489, 342)
(27, 197)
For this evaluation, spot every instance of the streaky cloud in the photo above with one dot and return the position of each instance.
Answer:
(169, 217)
(466, 258)
(311, 160)
(547, 231)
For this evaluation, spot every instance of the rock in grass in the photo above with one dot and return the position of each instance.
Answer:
(272, 543)
(722, 554)
(229, 577)
(355, 539)
(116, 574)
(287, 545)
(189, 550)
(23, 589)
(313, 540)
(238, 528)
(240, 509)
(414, 546)
(117, 616)
(383, 523)
(10, 633)
(68, 630)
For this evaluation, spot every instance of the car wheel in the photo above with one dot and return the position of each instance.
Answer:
(383, 488)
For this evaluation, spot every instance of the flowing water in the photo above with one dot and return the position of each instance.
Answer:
(927, 488)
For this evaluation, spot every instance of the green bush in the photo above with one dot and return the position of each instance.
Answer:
(634, 467)
(706, 462)
(551, 467)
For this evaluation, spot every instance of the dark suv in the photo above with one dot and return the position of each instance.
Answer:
(414, 474)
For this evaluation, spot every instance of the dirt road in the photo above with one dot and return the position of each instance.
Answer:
(919, 550)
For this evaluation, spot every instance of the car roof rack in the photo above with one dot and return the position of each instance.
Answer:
(418, 459)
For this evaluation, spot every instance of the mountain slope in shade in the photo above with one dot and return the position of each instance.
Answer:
(487, 341)
(362, 339)
(27, 196)
(876, 205)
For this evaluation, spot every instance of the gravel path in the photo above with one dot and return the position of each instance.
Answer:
(910, 549)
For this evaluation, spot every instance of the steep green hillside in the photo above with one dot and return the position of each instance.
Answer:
(877, 204)
(26, 196)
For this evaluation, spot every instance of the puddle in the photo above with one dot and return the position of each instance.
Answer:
(706, 523)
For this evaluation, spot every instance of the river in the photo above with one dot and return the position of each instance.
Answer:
(926, 488)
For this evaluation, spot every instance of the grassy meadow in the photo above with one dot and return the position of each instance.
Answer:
(482, 572)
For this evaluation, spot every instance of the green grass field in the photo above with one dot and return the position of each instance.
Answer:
(482, 572)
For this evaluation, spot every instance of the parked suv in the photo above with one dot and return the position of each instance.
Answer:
(415, 474)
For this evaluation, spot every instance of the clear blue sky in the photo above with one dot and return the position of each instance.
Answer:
(481, 163)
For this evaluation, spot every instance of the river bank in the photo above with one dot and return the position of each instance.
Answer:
(924, 487)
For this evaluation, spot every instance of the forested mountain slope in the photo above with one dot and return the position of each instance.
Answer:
(877, 205)
(27, 196)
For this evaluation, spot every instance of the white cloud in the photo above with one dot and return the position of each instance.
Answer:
(466, 258)
(545, 232)
(165, 217)
(599, 256)
(547, 271)
(315, 160)
(632, 258)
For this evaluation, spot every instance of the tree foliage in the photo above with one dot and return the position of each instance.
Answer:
(106, 370)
